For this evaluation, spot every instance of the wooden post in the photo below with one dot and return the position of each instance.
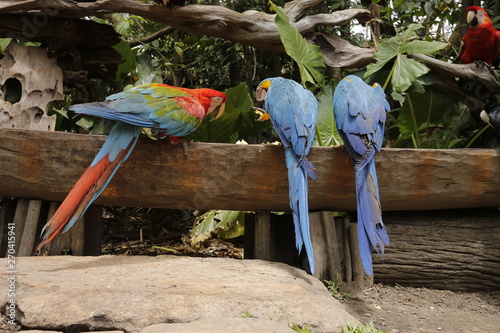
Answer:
(346, 246)
(73, 240)
(20, 220)
(326, 247)
(7, 213)
(30, 227)
(359, 279)
(93, 231)
(263, 241)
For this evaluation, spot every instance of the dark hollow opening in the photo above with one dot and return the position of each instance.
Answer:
(13, 90)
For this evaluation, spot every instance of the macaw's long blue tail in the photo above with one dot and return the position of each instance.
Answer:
(116, 149)
(371, 229)
(298, 190)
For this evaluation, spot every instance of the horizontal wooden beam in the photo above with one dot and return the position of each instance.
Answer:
(45, 165)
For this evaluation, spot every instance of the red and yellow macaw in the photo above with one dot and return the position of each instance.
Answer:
(359, 111)
(293, 111)
(482, 41)
(173, 111)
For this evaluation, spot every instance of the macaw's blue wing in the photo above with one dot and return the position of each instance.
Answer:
(293, 111)
(359, 111)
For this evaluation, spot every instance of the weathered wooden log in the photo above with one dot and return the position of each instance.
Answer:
(46, 165)
(456, 250)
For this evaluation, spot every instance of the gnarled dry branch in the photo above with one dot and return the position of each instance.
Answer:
(249, 28)
(448, 73)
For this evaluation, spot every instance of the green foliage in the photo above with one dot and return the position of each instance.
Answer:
(247, 315)
(4, 42)
(405, 71)
(300, 329)
(126, 67)
(426, 116)
(334, 289)
(326, 129)
(308, 57)
(226, 224)
(423, 110)
(360, 328)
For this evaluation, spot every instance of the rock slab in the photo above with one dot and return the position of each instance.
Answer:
(130, 293)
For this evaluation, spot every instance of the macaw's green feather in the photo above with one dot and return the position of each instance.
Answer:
(174, 111)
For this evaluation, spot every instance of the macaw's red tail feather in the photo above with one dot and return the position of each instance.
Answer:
(86, 190)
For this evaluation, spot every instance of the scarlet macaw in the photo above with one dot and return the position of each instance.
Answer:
(482, 41)
(359, 111)
(171, 110)
(293, 111)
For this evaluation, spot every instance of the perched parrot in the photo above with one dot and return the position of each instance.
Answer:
(359, 111)
(293, 111)
(482, 41)
(170, 110)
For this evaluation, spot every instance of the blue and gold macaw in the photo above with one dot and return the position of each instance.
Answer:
(359, 111)
(293, 111)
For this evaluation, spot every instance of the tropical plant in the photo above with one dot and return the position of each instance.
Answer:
(361, 328)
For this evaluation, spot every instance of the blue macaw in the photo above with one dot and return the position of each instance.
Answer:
(293, 111)
(359, 111)
(173, 111)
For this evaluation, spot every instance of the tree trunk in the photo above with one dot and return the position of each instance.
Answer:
(456, 250)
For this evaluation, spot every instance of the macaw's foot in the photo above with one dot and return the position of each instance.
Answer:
(176, 140)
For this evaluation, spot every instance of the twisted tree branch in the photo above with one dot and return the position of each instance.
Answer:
(251, 28)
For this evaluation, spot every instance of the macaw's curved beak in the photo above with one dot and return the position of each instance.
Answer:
(260, 93)
(263, 115)
(218, 111)
(472, 18)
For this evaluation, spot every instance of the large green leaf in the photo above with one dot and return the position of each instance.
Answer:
(406, 72)
(387, 50)
(239, 97)
(4, 42)
(225, 224)
(423, 110)
(221, 130)
(326, 128)
(128, 65)
(420, 46)
(308, 56)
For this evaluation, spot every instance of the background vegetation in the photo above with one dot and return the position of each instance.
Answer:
(421, 116)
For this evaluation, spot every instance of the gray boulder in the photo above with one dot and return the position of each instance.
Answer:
(132, 292)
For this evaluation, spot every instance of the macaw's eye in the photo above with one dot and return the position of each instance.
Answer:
(217, 99)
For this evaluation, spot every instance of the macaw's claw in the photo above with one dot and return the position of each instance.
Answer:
(185, 148)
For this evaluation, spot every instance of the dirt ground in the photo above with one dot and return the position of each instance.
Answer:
(407, 309)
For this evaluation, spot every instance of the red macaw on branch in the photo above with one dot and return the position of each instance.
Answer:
(482, 41)
(173, 111)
